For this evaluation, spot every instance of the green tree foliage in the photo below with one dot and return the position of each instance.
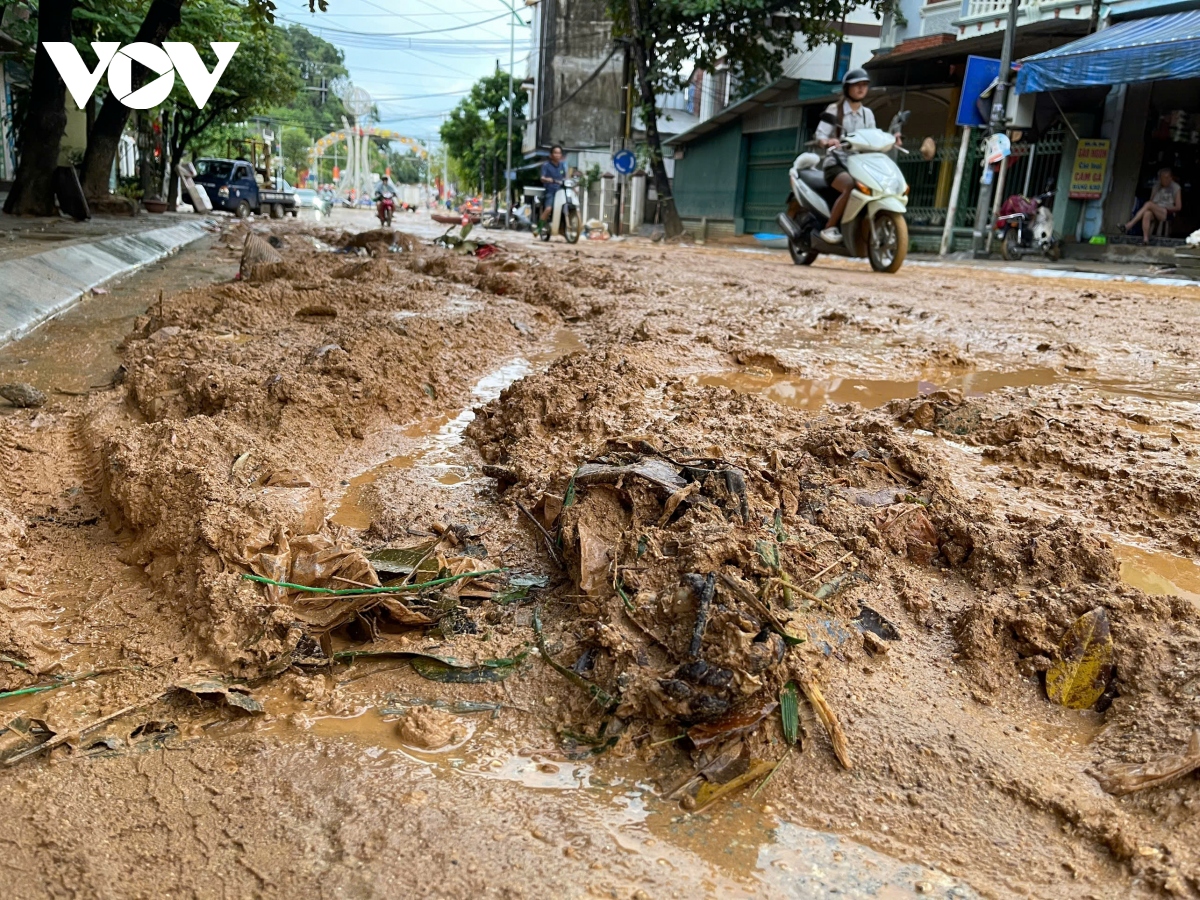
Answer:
(260, 75)
(752, 36)
(407, 167)
(317, 108)
(477, 130)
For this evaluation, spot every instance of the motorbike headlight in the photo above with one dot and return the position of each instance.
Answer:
(570, 182)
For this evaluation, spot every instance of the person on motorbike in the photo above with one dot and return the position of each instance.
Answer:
(385, 189)
(554, 173)
(851, 116)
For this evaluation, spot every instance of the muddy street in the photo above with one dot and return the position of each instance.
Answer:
(337, 563)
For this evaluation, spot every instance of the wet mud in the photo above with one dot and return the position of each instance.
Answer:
(516, 566)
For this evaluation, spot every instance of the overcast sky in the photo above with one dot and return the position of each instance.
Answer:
(417, 58)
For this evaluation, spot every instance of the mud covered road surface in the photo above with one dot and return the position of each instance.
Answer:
(620, 570)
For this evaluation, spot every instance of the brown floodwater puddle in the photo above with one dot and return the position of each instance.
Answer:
(752, 849)
(79, 350)
(430, 443)
(813, 393)
(1159, 572)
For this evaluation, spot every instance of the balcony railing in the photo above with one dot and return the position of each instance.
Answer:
(973, 9)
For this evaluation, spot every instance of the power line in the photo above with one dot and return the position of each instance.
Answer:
(400, 34)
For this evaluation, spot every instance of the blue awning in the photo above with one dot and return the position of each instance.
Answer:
(1161, 48)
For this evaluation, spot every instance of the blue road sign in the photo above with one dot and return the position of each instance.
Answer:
(981, 72)
(624, 161)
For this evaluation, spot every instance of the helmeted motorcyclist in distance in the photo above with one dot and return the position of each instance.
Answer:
(851, 115)
(385, 189)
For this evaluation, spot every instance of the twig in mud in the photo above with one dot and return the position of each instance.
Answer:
(598, 694)
(774, 769)
(357, 592)
(833, 565)
(62, 737)
(888, 527)
(704, 588)
(40, 688)
(13, 662)
(747, 597)
(825, 713)
(669, 740)
(350, 581)
(424, 556)
(545, 535)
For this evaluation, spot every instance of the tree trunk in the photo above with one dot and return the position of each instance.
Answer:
(173, 154)
(105, 135)
(641, 60)
(41, 130)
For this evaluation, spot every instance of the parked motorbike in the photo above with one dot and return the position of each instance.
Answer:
(1027, 226)
(385, 205)
(565, 218)
(873, 224)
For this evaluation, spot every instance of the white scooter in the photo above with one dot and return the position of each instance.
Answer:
(565, 218)
(873, 224)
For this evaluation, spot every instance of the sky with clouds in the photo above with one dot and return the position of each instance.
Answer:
(416, 58)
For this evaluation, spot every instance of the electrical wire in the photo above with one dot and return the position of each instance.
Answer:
(399, 34)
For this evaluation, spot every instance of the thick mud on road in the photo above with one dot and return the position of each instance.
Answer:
(339, 564)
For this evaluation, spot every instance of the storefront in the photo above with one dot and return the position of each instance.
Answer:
(1150, 117)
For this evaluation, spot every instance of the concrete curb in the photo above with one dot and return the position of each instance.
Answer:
(38, 287)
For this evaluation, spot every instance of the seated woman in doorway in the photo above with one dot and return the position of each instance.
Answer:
(851, 115)
(1163, 204)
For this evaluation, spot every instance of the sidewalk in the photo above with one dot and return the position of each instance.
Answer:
(46, 264)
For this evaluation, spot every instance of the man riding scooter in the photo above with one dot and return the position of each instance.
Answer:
(553, 174)
(385, 201)
(851, 116)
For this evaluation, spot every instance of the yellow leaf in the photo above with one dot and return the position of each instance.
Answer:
(1084, 665)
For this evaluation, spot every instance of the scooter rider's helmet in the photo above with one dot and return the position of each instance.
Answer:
(854, 76)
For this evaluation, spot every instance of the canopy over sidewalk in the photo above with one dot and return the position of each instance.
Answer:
(1160, 48)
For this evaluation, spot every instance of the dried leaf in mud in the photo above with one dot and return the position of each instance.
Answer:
(1081, 674)
(833, 728)
(435, 667)
(232, 695)
(734, 724)
(1122, 778)
(674, 500)
(489, 670)
(593, 560)
(789, 712)
(710, 793)
(401, 561)
(286, 478)
(656, 471)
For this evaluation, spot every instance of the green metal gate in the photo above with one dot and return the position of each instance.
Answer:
(769, 158)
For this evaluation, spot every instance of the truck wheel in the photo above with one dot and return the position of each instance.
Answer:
(888, 255)
(276, 210)
(242, 211)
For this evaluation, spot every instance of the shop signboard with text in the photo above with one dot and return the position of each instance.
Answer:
(1089, 169)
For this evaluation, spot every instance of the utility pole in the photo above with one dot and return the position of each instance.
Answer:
(996, 124)
(508, 185)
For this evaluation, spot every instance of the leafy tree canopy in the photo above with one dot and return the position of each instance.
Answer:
(477, 130)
